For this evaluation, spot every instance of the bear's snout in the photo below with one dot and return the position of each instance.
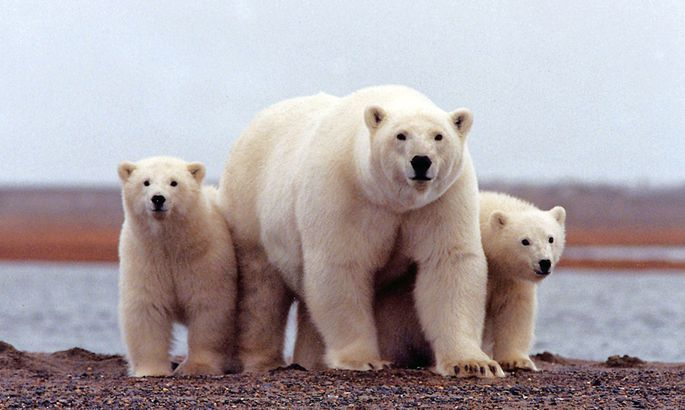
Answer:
(158, 201)
(421, 164)
(545, 265)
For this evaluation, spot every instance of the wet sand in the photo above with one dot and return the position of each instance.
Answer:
(78, 378)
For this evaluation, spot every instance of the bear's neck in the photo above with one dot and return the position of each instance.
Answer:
(180, 234)
(503, 275)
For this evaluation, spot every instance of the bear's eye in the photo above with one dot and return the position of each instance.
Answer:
(525, 242)
(401, 137)
(551, 239)
(147, 182)
(174, 183)
(438, 137)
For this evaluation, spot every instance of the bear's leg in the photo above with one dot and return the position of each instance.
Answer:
(513, 328)
(443, 238)
(339, 299)
(263, 312)
(451, 308)
(309, 345)
(210, 337)
(147, 334)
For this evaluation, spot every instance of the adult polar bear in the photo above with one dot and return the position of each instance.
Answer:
(318, 192)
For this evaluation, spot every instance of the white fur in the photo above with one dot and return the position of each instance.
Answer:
(514, 271)
(177, 265)
(320, 191)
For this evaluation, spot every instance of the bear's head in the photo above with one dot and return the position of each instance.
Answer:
(526, 244)
(160, 187)
(417, 155)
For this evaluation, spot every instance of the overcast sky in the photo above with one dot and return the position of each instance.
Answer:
(586, 90)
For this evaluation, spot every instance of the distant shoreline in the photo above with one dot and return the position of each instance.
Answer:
(82, 224)
(92, 244)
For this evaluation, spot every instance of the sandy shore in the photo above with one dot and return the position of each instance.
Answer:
(78, 378)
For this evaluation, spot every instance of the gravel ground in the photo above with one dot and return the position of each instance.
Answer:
(79, 378)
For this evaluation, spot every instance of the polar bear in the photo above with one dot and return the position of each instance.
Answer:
(522, 245)
(175, 267)
(321, 190)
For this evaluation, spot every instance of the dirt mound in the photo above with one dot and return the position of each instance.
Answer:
(84, 362)
(624, 361)
(550, 358)
(82, 354)
(13, 359)
(75, 361)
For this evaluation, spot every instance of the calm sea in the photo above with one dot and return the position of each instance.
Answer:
(582, 314)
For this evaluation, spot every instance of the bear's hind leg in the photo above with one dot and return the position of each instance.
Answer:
(210, 339)
(309, 345)
(263, 312)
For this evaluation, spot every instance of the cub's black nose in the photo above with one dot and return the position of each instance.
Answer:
(421, 164)
(545, 264)
(158, 200)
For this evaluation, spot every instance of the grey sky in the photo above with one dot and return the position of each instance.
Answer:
(593, 91)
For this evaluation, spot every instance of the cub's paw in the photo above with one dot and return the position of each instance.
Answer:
(160, 370)
(518, 363)
(470, 368)
(196, 369)
(360, 365)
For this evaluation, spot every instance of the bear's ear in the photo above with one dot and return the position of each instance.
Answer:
(498, 219)
(462, 119)
(197, 169)
(374, 116)
(558, 213)
(125, 170)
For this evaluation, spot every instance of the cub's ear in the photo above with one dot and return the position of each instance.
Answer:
(558, 213)
(125, 170)
(197, 169)
(462, 119)
(498, 219)
(374, 116)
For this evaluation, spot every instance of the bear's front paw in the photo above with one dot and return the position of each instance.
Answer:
(470, 368)
(360, 365)
(511, 364)
(196, 369)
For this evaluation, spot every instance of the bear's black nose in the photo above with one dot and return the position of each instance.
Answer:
(545, 264)
(421, 164)
(158, 200)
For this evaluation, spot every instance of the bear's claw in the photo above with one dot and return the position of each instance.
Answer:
(472, 368)
(519, 363)
(362, 366)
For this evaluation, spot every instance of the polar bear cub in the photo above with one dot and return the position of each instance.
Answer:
(523, 245)
(321, 190)
(175, 267)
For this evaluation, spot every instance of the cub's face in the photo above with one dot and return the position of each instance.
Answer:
(418, 154)
(160, 187)
(529, 243)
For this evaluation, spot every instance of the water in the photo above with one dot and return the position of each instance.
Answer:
(582, 314)
(626, 253)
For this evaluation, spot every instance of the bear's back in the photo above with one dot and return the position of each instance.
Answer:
(497, 201)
